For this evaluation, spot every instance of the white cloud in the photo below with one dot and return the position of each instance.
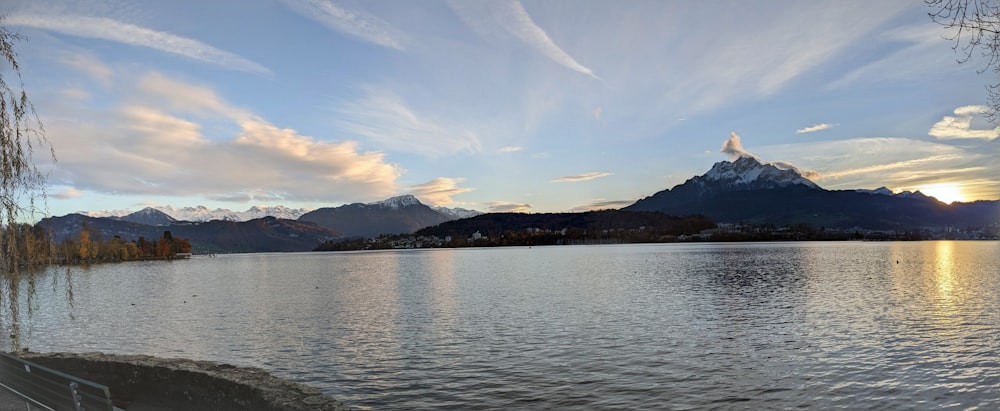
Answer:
(152, 146)
(354, 22)
(581, 177)
(784, 165)
(490, 18)
(507, 207)
(384, 118)
(117, 31)
(814, 128)
(960, 126)
(733, 147)
(511, 149)
(67, 193)
(438, 192)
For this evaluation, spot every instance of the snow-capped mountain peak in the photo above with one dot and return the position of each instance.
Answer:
(748, 173)
(201, 213)
(882, 191)
(887, 192)
(398, 202)
(457, 213)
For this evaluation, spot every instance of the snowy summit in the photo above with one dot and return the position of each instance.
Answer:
(748, 173)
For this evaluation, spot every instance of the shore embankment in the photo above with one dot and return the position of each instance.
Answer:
(142, 382)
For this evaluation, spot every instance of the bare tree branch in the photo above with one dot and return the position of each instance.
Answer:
(973, 25)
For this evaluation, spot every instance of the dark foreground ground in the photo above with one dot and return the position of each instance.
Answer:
(144, 383)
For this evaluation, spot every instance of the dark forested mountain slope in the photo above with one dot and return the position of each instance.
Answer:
(397, 215)
(750, 192)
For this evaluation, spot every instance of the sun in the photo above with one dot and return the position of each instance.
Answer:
(945, 192)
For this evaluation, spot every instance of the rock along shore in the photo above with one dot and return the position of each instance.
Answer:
(142, 382)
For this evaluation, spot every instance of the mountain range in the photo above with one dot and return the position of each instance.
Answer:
(397, 215)
(741, 191)
(227, 231)
(267, 234)
(201, 213)
(748, 191)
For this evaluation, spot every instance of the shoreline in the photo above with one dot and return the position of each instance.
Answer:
(143, 382)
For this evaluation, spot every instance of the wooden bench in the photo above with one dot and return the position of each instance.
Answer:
(48, 389)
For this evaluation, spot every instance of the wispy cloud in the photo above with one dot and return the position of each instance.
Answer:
(178, 96)
(507, 207)
(117, 31)
(382, 116)
(602, 204)
(581, 177)
(89, 64)
(490, 18)
(897, 163)
(815, 128)
(354, 22)
(925, 53)
(511, 149)
(884, 168)
(960, 126)
(438, 192)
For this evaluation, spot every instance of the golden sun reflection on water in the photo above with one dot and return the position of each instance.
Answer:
(946, 305)
(945, 270)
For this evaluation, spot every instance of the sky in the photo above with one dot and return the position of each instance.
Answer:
(530, 106)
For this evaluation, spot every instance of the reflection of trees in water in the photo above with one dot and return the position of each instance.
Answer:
(19, 300)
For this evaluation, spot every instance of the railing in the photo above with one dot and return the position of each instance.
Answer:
(48, 389)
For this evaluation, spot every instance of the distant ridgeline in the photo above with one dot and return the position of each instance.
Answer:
(516, 229)
(748, 192)
(750, 200)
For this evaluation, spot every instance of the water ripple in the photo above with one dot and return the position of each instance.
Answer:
(702, 326)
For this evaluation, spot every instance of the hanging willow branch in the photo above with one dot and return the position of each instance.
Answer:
(22, 184)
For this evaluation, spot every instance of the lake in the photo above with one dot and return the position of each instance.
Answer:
(854, 325)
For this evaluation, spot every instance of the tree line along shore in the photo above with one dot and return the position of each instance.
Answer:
(34, 246)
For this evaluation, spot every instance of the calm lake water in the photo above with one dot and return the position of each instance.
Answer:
(676, 326)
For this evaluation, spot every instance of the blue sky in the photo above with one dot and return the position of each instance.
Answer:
(537, 106)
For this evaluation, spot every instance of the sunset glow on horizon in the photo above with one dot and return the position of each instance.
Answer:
(945, 192)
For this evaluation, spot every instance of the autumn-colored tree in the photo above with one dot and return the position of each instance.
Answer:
(144, 247)
(86, 246)
(182, 246)
(165, 246)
